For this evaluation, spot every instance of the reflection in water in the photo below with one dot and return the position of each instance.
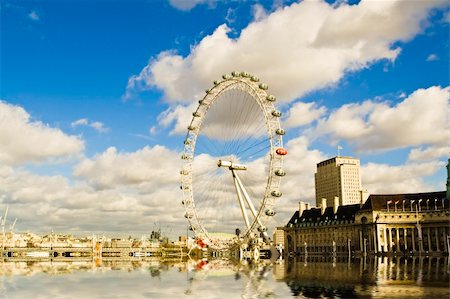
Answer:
(315, 277)
(417, 277)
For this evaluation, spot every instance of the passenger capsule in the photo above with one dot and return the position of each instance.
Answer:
(262, 229)
(196, 114)
(281, 151)
(184, 157)
(270, 212)
(182, 202)
(280, 132)
(263, 86)
(191, 128)
(186, 142)
(216, 82)
(245, 74)
(190, 228)
(271, 98)
(276, 113)
(280, 172)
(254, 79)
(226, 76)
(184, 172)
(188, 216)
(276, 193)
(202, 102)
(207, 91)
(236, 74)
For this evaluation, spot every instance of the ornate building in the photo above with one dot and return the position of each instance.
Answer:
(392, 224)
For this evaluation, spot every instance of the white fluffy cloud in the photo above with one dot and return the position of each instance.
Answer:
(429, 153)
(432, 57)
(23, 140)
(407, 178)
(301, 114)
(129, 191)
(33, 15)
(42, 203)
(300, 166)
(189, 4)
(155, 166)
(96, 125)
(296, 49)
(421, 118)
(179, 115)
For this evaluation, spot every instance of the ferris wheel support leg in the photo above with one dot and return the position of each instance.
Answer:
(247, 199)
(241, 200)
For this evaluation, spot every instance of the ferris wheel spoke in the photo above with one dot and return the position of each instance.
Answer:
(253, 146)
(236, 126)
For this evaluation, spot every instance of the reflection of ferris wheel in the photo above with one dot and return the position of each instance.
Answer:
(231, 183)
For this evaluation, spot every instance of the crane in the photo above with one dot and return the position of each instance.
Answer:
(11, 226)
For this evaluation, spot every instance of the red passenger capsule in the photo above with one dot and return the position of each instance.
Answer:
(281, 151)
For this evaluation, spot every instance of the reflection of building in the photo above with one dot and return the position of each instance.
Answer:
(448, 178)
(278, 238)
(338, 177)
(386, 224)
(382, 277)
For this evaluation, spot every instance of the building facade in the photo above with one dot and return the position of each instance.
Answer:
(338, 177)
(395, 224)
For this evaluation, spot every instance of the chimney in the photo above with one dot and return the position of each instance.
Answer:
(363, 195)
(301, 208)
(307, 206)
(335, 204)
(323, 205)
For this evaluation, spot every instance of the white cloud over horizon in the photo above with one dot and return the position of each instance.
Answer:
(406, 178)
(143, 185)
(110, 169)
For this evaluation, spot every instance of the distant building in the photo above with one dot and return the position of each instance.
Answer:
(391, 224)
(338, 177)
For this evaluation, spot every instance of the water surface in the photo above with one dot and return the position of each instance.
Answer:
(317, 277)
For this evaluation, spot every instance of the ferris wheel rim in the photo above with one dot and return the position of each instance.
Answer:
(258, 92)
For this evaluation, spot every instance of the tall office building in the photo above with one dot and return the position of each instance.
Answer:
(338, 177)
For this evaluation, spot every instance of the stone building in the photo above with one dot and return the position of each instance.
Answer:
(338, 177)
(391, 224)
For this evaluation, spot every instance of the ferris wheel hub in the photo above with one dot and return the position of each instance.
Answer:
(230, 165)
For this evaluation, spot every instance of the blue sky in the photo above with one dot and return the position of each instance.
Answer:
(85, 61)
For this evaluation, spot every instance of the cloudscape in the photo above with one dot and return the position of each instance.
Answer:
(96, 98)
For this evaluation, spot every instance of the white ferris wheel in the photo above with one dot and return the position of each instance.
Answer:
(232, 162)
